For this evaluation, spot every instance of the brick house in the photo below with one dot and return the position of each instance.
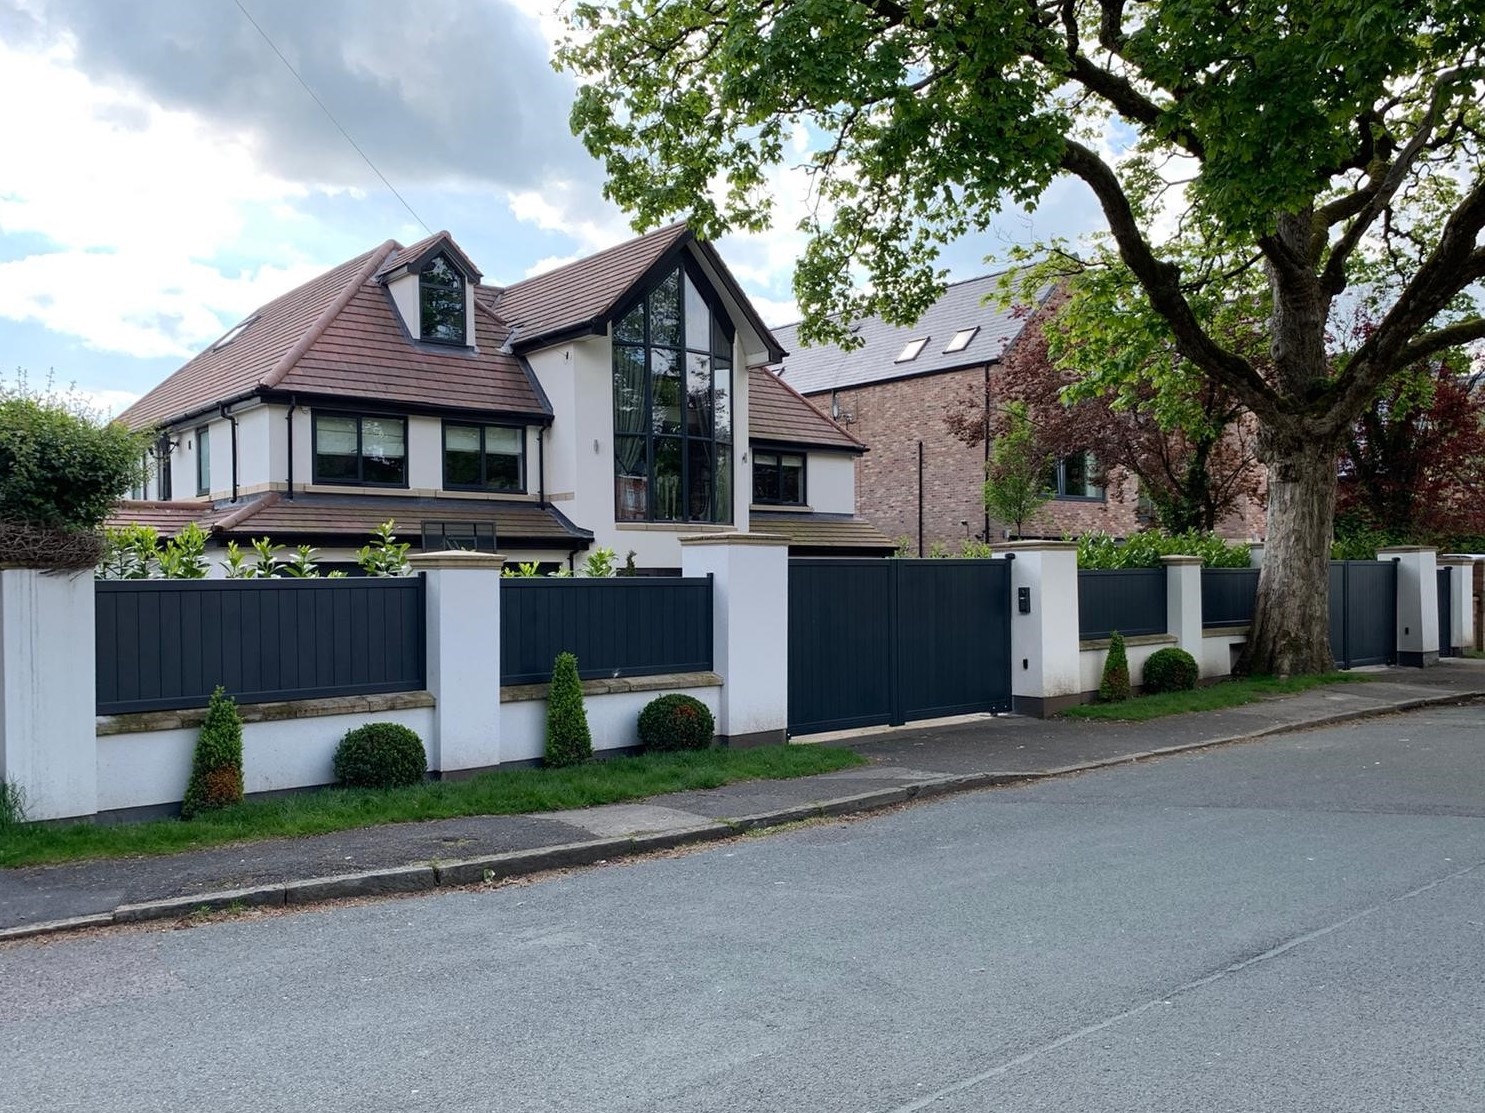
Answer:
(619, 401)
(918, 481)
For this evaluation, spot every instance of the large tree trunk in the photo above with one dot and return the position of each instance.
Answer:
(1291, 621)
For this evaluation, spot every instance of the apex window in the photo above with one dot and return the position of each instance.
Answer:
(441, 302)
(484, 457)
(361, 451)
(673, 405)
(778, 478)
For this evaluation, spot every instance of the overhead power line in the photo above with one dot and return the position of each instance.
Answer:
(330, 115)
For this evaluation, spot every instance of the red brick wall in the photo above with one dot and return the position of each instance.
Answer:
(891, 418)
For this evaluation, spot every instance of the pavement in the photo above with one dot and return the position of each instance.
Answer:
(904, 764)
(1289, 925)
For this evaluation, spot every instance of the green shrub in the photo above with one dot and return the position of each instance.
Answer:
(380, 755)
(1098, 550)
(12, 805)
(568, 739)
(1170, 670)
(676, 722)
(1115, 686)
(216, 767)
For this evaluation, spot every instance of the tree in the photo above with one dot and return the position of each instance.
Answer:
(1287, 151)
(1195, 463)
(1016, 474)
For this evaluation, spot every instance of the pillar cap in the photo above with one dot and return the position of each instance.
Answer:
(734, 539)
(456, 558)
(1406, 549)
(1180, 559)
(1034, 547)
(1456, 558)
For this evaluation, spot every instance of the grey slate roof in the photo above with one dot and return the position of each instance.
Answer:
(822, 368)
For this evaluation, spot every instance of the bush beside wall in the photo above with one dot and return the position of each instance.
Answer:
(1115, 686)
(569, 742)
(676, 722)
(1170, 670)
(216, 766)
(380, 755)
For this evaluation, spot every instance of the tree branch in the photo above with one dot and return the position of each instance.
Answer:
(1449, 336)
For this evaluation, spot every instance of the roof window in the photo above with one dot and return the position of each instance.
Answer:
(232, 334)
(961, 339)
(910, 350)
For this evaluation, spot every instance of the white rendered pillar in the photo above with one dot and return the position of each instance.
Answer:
(463, 599)
(750, 630)
(1044, 642)
(49, 691)
(1461, 634)
(1417, 604)
(1183, 602)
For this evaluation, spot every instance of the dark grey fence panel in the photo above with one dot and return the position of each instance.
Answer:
(624, 626)
(1227, 596)
(953, 637)
(1446, 613)
(1129, 600)
(1363, 612)
(166, 644)
(842, 659)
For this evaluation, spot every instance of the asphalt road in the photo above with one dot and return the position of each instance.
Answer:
(1295, 924)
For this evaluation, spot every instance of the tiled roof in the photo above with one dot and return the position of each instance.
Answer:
(168, 518)
(340, 335)
(821, 531)
(585, 291)
(813, 370)
(412, 253)
(777, 412)
(355, 518)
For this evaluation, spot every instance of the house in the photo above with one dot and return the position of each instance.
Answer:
(610, 402)
(919, 482)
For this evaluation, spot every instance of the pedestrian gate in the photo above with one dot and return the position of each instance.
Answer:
(875, 641)
(1363, 612)
(1446, 613)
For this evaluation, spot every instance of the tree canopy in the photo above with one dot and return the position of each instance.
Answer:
(1296, 154)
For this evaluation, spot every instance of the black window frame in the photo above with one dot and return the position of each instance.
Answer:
(441, 535)
(203, 459)
(461, 284)
(1059, 480)
(360, 481)
(482, 486)
(778, 454)
(721, 333)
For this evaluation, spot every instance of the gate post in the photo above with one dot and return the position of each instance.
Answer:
(1183, 602)
(750, 631)
(1044, 642)
(1417, 604)
(1461, 633)
(463, 640)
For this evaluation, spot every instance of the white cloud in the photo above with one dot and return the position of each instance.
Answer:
(140, 204)
(550, 263)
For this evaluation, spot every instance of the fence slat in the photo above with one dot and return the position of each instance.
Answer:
(165, 644)
(1228, 596)
(1129, 600)
(640, 626)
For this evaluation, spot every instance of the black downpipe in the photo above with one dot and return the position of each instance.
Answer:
(228, 416)
(541, 465)
(920, 498)
(986, 474)
(289, 417)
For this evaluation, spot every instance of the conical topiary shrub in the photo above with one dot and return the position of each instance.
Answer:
(216, 768)
(1115, 686)
(568, 739)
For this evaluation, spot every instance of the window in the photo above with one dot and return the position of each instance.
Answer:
(203, 461)
(673, 405)
(484, 457)
(961, 340)
(1077, 477)
(441, 301)
(910, 350)
(232, 334)
(364, 451)
(474, 537)
(778, 477)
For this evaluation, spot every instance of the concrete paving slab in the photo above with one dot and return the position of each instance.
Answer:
(611, 820)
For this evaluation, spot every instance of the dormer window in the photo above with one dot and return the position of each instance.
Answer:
(441, 297)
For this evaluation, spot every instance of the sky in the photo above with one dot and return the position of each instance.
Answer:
(165, 172)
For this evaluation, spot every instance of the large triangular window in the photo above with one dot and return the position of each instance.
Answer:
(442, 302)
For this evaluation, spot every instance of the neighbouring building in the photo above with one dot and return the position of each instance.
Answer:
(919, 483)
(620, 401)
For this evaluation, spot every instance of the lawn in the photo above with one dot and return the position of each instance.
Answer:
(506, 792)
(1228, 693)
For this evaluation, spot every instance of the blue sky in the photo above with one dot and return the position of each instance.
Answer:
(175, 174)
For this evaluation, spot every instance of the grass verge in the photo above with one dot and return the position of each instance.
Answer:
(1229, 693)
(508, 792)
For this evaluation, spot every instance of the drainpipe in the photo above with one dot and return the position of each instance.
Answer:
(986, 472)
(226, 414)
(541, 465)
(289, 417)
(920, 498)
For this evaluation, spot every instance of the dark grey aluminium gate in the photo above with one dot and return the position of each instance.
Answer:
(1446, 614)
(1363, 612)
(875, 641)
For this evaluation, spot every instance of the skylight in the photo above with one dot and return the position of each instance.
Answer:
(232, 334)
(910, 350)
(961, 339)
